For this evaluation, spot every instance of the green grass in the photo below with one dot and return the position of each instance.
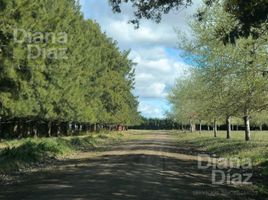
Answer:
(20, 154)
(256, 150)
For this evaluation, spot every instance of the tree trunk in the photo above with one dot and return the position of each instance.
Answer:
(261, 127)
(58, 130)
(28, 129)
(20, 128)
(84, 127)
(80, 127)
(200, 127)
(247, 127)
(73, 128)
(208, 128)
(228, 124)
(215, 128)
(34, 128)
(15, 128)
(49, 129)
(192, 126)
(237, 127)
(1, 130)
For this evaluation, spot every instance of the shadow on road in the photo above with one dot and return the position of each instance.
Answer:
(133, 170)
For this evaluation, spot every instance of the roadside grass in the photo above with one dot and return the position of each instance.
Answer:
(256, 150)
(20, 154)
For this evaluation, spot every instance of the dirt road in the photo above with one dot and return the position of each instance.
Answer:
(150, 168)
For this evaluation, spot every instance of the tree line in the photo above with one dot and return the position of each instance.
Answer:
(171, 124)
(157, 124)
(228, 82)
(59, 73)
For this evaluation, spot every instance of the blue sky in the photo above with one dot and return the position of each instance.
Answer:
(153, 48)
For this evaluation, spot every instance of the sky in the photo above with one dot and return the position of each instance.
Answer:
(153, 47)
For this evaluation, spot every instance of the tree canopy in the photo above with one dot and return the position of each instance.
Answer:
(149, 9)
(250, 14)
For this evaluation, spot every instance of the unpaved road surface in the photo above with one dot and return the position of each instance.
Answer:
(150, 167)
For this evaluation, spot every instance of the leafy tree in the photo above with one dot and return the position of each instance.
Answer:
(260, 119)
(232, 73)
(185, 104)
(89, 81)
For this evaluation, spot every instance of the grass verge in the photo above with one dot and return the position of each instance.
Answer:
(256, 150)
(21, 154)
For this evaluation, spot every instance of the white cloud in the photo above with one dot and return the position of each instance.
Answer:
(149, 110)
(145, 35)
(155, 89)
(156, 74)
(144, 77)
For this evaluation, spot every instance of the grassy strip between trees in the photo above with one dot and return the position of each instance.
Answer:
(256, 150)
(21, 154)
